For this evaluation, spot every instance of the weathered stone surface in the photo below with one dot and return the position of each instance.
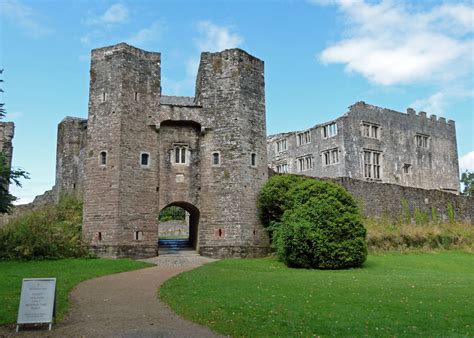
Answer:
(432, 167)
(7, 130)
(392, 201)
(128, 117)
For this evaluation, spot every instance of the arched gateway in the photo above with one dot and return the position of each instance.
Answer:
(186, 227)
(145, 151)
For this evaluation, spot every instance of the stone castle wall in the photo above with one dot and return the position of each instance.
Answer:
(128, 117)
(7, 130)
(71, 145)
(392, 201)
(401, 160)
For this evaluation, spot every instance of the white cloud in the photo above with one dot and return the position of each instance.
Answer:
(91, 38)
(466, 162)
(434, 104)
(215, 38)
(391, 43)
(15, 115)
(24, 16)
(115, 14)
(151, 33)
(212, 38)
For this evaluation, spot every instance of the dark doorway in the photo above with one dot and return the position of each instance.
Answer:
(177, 227)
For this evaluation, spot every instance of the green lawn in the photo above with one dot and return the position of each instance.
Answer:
(68, 273)
(425, 294)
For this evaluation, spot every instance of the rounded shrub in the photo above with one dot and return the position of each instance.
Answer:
(274, 198)
(319, 224)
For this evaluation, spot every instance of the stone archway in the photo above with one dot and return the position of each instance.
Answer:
(193, 221)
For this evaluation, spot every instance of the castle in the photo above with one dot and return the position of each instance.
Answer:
(140, 152)
(373, 144)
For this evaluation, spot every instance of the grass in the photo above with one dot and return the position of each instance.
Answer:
(175, 237)
(383, 235)
(425, 294)
(68, 273)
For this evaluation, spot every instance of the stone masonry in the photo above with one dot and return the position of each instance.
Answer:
(7, 129)
(373, 144)
(139, 152)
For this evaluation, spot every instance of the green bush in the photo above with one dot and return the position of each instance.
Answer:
(49, 233)
(172, 213)
(316, 224)
(274, 198)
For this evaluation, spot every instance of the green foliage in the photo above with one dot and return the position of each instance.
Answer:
(395, 295)
(172, 213)
(8, 175)
(275, 197)
(420, 217)
(451, 213)
(68, 272)
(316, 224)
(49, 233)
(467, 179)
(406, 212)
(2, 105)
(434, 215)
(384, 235)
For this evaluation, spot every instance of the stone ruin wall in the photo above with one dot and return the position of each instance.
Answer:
(391, 201)
(434, 167)
(7, 130)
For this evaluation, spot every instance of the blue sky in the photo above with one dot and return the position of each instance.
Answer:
(320, 57)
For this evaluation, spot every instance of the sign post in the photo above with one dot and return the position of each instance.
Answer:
(37, 301)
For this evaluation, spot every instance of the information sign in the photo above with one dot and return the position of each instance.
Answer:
(37, 301)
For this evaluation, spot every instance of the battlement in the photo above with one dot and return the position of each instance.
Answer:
(422, 116)
(123, 48)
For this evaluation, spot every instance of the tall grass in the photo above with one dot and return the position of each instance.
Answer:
(49, 233)
(386, 235)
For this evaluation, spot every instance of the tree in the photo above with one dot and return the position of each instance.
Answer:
(2, 105)
(7, 175)
(467, 178)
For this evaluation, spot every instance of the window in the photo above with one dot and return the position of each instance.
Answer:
(281, 145)
(145, 159)
(331, 156)
(303, 138)
(372, 166)
(406, 168)
(103, 158)
(179, 154)
(282, 168)
(253, 159)
(422, 141)
(138, 235)
(305, 163)
(329, 130)
(215, 159)
(370, 130)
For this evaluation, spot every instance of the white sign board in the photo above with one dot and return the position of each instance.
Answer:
(37, 301)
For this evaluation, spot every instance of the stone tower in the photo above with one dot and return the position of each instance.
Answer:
(145, 151)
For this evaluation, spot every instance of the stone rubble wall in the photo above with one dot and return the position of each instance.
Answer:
(392, 201)
(173, 228)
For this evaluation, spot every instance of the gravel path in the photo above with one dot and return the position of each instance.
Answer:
(126, 305)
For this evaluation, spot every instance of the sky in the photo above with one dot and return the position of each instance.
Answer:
(321, 56)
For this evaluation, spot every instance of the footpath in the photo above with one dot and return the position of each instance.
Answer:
(126, 305)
